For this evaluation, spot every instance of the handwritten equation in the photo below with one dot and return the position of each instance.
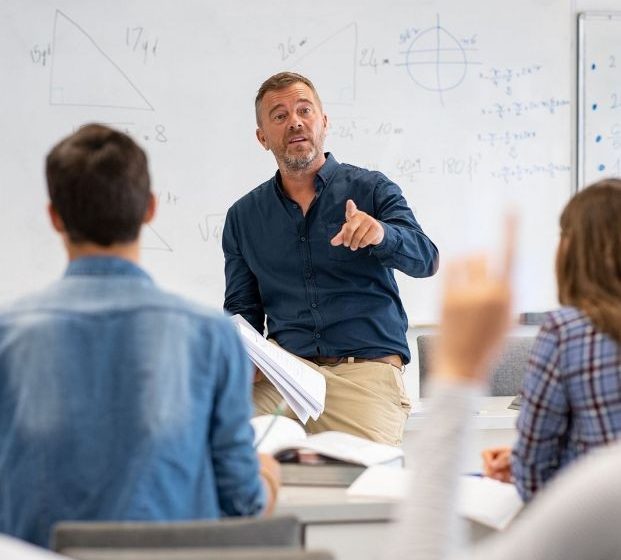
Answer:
(211, 227)
(505, 77)
(411, 168)
(523, 108)
(519, 172)
(353, 129)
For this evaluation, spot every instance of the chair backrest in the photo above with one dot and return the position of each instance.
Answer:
(506, 378)
(261, 553)
(279, 531)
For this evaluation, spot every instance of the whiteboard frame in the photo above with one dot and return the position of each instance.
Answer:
(581, 83)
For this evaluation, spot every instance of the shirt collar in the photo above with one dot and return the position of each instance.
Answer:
(322, 178)
(105, 266)
(328, 169)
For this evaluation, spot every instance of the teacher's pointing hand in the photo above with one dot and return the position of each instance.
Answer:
(359, 229)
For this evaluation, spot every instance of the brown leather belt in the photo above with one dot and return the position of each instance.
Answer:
(392, 359)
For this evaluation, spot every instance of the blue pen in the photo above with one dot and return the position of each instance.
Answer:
(479, 474)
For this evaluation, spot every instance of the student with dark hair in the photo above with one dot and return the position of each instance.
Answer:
(572, 389)
(119, 401)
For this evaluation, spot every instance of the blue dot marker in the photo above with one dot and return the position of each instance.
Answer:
(594, 107)
(593, 66)
(598, 138)
(601, 167)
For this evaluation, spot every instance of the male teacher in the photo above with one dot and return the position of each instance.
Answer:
(314, 249)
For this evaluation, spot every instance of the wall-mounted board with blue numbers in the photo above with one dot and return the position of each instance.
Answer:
(599, 96)
(466, 105)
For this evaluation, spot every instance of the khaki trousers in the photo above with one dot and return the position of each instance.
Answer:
(366, 399)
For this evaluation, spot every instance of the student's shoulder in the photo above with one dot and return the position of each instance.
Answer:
(569, 323)
(26, 304)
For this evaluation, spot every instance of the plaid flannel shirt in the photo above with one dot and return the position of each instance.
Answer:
(571, 398)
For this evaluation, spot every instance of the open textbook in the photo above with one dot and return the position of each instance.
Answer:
(301, 386)
(324, 459)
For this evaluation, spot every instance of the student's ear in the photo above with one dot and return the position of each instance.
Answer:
(151, 209)
(57, 221)
(262, 139)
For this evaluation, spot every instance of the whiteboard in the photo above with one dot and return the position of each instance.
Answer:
(599, 96)
(467, 109)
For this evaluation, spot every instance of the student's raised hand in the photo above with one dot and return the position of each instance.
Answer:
(359, 230)
(475, 315)
(497, 463)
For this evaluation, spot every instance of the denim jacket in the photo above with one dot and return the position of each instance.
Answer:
(119, 401)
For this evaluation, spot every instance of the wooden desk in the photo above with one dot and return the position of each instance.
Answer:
(356, 528)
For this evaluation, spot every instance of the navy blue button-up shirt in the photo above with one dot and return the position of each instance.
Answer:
(322, 300)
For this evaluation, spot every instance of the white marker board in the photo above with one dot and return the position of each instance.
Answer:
(466, 108)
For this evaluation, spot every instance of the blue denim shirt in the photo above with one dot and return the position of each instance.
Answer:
(121, 402)
(319, 299)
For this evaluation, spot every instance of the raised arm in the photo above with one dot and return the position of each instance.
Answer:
(475, 317)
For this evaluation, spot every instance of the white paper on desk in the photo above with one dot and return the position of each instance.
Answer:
(488, 501)
(301, 386)
(483, 500)
(11, 548)
(380, 481)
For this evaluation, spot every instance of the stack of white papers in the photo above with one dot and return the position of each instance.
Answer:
(301, 386)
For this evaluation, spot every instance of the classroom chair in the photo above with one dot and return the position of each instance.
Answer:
(506, 379)
(277, 531)
(202, 553)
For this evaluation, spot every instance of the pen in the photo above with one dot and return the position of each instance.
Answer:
(478, 474)
(282, 406)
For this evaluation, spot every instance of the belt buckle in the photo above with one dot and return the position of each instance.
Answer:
(328, 360)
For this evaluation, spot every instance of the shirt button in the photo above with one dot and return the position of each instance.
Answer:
(302, 238)
(313, 305)
(308, 275)
(295, 205)
(317, 335)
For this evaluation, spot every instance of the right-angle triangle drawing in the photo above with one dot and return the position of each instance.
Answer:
(153, 241)
(339, 50)
(82, 74)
